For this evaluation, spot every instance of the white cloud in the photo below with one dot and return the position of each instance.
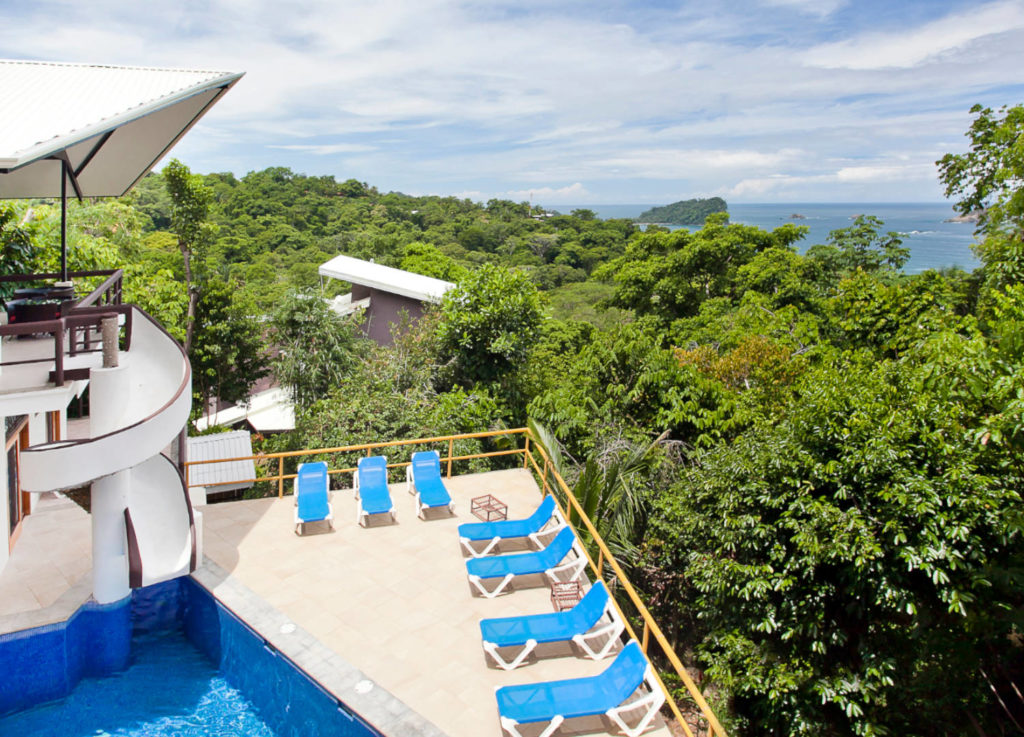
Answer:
(324, 149)
(446, 96)
(885, 173)
(820, 8)
(669, 163)
(910, 47)
(572, 194)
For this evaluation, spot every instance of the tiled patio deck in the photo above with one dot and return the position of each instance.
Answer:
(394, 600)
(49, 574)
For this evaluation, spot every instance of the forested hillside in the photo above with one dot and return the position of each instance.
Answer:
(686, 212)
(811, 464)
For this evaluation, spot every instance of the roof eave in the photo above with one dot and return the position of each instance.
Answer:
(47, 148)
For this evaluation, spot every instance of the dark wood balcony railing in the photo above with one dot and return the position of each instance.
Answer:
(74, 325)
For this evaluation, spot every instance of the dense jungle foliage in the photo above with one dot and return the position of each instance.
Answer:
(810, 461)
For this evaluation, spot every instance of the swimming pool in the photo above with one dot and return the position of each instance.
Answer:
(170, 689)
(194, 668)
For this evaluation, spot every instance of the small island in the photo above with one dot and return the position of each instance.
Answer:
(686, 212)
(970, 217)
(797, 216)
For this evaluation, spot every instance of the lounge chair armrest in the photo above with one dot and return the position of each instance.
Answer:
(575, 567)
(613, 630)
(510, 726)
(552, 530)
(652, 702)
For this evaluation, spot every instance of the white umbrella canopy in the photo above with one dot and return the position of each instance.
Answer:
(104, 126)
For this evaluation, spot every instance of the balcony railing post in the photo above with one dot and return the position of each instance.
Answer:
(280, 477)
(451, 452)
(600, 564)
(646, 637)
(58, 357)
(526, 451)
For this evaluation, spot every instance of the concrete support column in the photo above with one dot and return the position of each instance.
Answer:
(108, 395)
(109, 539)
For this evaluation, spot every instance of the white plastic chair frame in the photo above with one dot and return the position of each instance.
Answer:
(612, 629)
(362, 516)
(653, 702)
(533, 537)
(575, 567)
(411, 488)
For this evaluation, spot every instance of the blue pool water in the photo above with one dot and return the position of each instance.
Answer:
(169, 690)
(169, 660)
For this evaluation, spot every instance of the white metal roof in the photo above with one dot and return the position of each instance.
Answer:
(385, 278)
(267, 411)
(227, 476)
(114, 123)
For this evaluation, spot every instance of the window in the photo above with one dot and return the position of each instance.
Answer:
(17, 503)
(13, 495)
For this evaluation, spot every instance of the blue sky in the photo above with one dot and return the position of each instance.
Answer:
(570, 102)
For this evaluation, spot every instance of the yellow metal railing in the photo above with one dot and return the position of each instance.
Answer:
(551, 483)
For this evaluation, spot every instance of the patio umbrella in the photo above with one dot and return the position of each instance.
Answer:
(93, 130)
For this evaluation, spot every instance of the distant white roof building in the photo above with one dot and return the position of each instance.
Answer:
(383, 293)
(115, 123)
(267, 411)
(385, 278)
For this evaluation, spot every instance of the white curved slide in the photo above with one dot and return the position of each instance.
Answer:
(143, 524)
(160, 525)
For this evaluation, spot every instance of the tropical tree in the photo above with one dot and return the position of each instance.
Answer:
(853, 557)
(228, 354)
(315, 347)
(489, 322)
(987, 180)
(190, 209)
(16, 247)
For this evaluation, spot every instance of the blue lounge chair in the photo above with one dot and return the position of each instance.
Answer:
(608, 693)
(547, 561)
(423, 478)
(533, 527)
(371, 488)
(311, 503)
(578, 625)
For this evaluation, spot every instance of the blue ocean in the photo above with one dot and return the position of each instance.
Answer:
(933, 242)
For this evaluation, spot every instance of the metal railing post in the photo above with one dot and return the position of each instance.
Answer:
(451, 452)
(280, 477)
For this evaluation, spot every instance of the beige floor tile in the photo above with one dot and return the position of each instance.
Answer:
(53, 552)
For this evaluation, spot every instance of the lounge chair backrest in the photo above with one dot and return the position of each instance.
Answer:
(625, 674)
(591, 607)
(553, 554)
(373, 471)
(426, 465)
(311, 491)
(312, 476)
(543, 513)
